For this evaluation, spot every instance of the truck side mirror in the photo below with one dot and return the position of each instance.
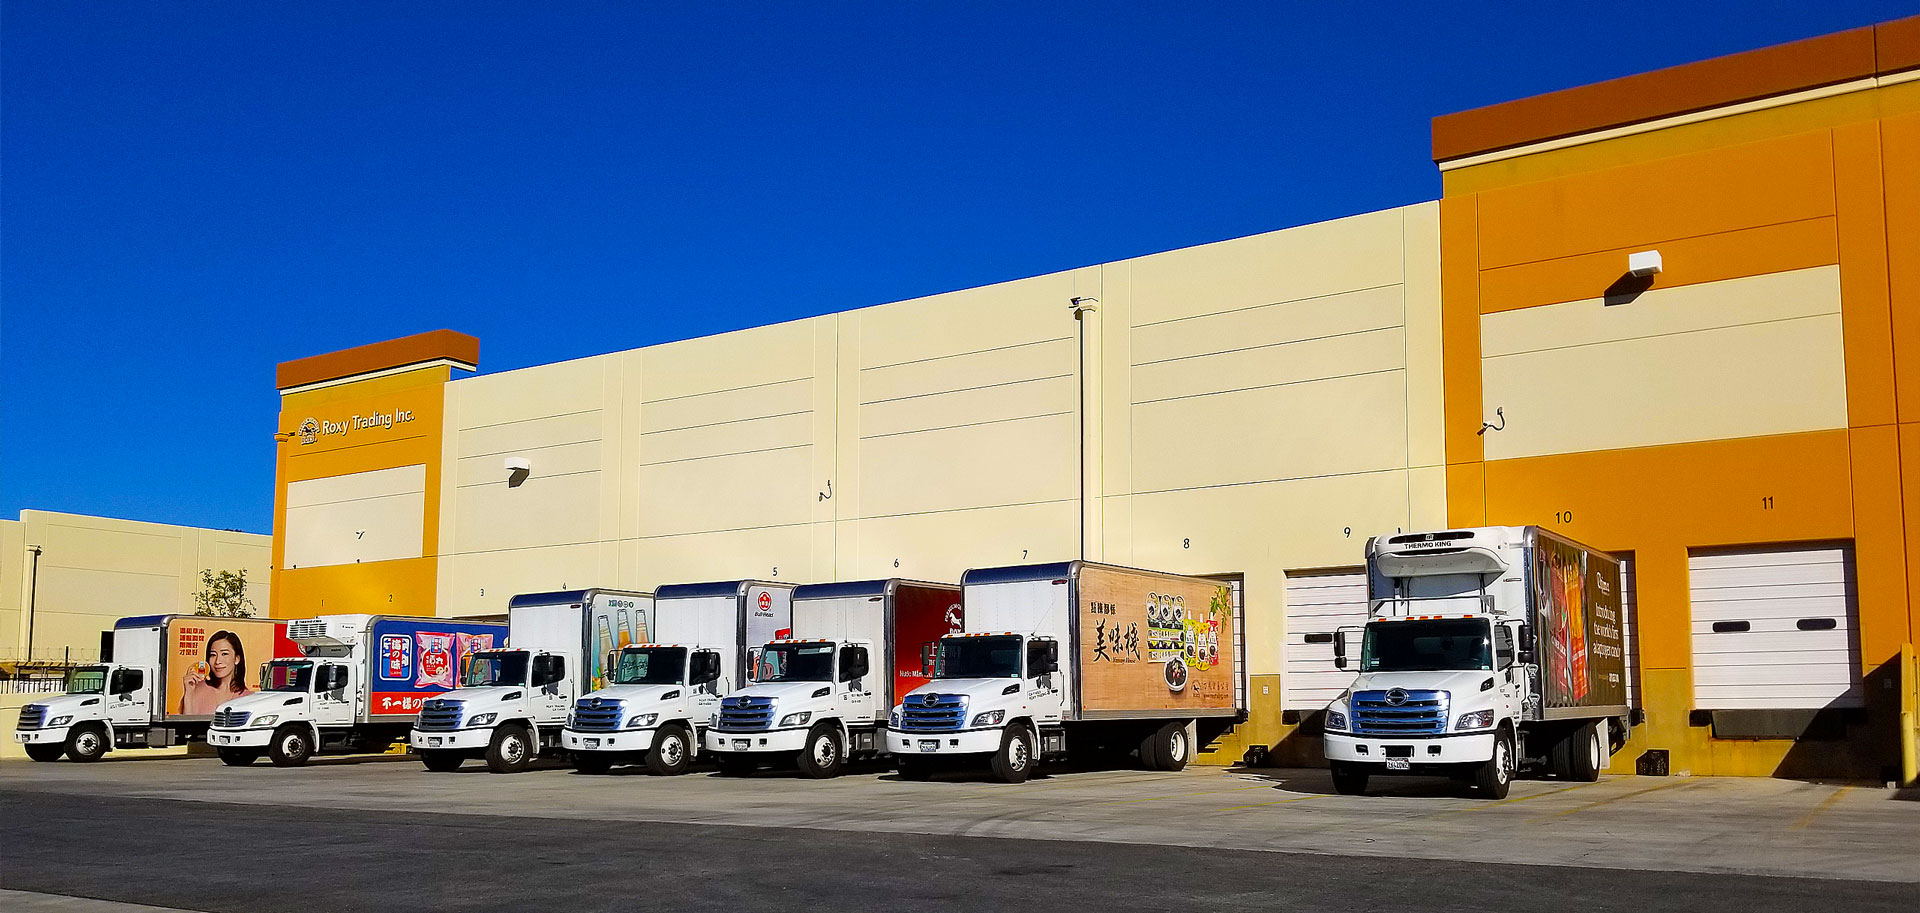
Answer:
(853, 663)
(753, 664)
(926, 659)
(1046, 659)
(332, 678)
(1339, 651)
(706, 668)
(127, 681)
(548, 669)
(1524, 645)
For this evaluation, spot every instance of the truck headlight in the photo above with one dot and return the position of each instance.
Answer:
(893, 719)
(60, 721)
(482, 719)
(569, 719)
(642, 720)
(796, 719)
(1479, 719)
(990, 718)
(1336, 722)
(266, 719)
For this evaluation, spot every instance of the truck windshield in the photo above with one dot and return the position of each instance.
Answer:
(87, 680)
(294, 676)
(652, 666)
(1441, 645)
(978, 657)
(508, 667)
(796, 663)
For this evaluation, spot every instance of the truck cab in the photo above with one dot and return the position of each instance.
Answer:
(283, 719)
(985, 688)
(816, 701)
(511, 704)
(658, 704)
(101, 701)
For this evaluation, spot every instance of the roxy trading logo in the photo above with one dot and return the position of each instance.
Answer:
(313, 429)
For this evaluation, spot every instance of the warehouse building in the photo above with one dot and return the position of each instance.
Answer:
(1730, 420)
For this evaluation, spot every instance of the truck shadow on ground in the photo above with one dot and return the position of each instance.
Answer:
(1313, 781)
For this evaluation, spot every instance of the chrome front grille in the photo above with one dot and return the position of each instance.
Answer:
(933, 713)
(745, 713)
(1398, 712)
(32, 716)
(440, 714)
(230, 719)
(595, 714)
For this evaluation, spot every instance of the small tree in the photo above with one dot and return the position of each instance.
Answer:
(223, 594)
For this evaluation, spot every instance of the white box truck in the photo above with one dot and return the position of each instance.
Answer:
(1483, 648)
(512, 702)
(356, 688)
(1107, 656)
(160, 679)
(820, 696)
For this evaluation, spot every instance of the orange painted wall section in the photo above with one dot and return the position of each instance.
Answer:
(402, 586)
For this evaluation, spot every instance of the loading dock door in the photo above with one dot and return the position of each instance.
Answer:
(1774, 628)
(1629, 627)
(1320, 603)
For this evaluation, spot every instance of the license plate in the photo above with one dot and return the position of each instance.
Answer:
(929, 744)
(19, 736)
(592, 743)
(1399, 764)
(742, 744)
(433, 740)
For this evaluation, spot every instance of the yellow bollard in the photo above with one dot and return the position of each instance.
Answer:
(1909, 731)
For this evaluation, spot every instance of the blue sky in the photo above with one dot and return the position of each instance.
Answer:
(192, 192)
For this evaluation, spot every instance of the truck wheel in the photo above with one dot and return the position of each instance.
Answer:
(1166, 748)
(735, 764)
(1496, 775)
(441, 761)
(510, 751)
(291, 746)
(46, 751)
(87, 742)
(1013, 763)
(669, 755)
(1584, 754)
(1349, 779)
(823, 755)
(915, 769)
(238, 757)
(592, 762)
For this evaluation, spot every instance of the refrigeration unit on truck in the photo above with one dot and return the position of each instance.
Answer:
(512, 702)
(1077, 654)
(1484, 649)
(356, 688)
(664, 689)
(158, 683)
(820, 697)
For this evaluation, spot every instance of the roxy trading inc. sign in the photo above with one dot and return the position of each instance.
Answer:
(313, 429)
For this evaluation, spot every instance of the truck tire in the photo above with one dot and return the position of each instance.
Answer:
(823, 754)
(1349, 779)
(1167, 748)
(1584, 756)
(511, 749)
(238, 757)
(735, 763)
(1496, 775)
(292, 745)
(46, 751)
(441, 760)
(1013, 763)
(670, 753)
(915, 769)
(592, 762)
(87, 742)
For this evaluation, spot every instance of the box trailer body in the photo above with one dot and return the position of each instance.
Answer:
(664, 687)
(512, 702)
(1113, 657)
(1484, 649)
(820, 695)
(359, 683)
(161, 680)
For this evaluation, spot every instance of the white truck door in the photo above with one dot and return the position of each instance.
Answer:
(859, 699)
(334, 707)
(706, 697)
(134, 706)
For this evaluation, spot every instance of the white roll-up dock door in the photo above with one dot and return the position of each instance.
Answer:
(1319, 603)
(1774, 628)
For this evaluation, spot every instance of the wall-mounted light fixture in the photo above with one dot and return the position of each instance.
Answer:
(1643, 264)
(517, 470)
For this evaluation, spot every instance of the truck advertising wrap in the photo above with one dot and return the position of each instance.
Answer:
(415, 659)
(921, 616)
(1151, 642)
(210, 660)
(1578, 629)
(614, 621)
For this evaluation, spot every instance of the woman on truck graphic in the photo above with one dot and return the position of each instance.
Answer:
(218, 678)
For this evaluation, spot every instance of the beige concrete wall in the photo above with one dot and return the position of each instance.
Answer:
(1710, 361)
(94, 570)
(1254, 406)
